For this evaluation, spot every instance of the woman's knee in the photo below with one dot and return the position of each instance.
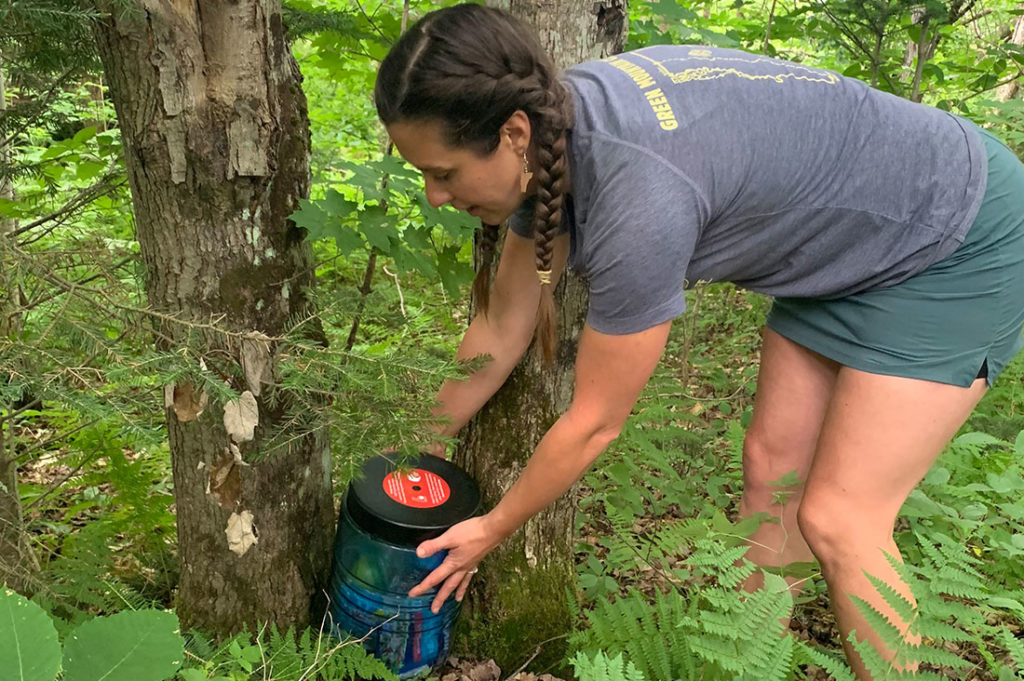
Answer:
(838, 532)
(771, 471)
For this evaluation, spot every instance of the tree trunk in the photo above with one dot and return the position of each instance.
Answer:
(17, 563)
(1008, 91)
(216, 141)
(520, 602)
(7, 225)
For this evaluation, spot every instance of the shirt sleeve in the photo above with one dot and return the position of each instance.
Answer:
(639, 232)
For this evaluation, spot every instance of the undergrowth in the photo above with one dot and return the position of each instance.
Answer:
(661, 556)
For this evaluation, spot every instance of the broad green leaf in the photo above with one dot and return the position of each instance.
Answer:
(335, 204)
(932, 69)
(1005, 483)
(937, 476)
(83, 136)
(29, 649)
(673, 11)
(365, 177)
(11, 209)
(975, 438)
(192, 675)
(1018, 444)
(408, 260)
(378, 227)
(453, 273)
(312, 218)
(141, 645)
(86, 170)
(54, 151)
(975, 511)
(347, 239)
(417, 238)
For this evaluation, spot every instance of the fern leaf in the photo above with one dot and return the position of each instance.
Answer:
(936, 656)
(779, 664)
(905, 609)
(831, 663)
(1013, 645)
(892, 636)
(879, 668)
(604, 668)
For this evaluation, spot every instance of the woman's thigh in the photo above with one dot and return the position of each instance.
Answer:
(794, 387)
(879, 437)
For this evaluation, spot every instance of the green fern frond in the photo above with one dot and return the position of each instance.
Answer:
(1013, 645)
(779, 664)
(904, 608)
(880, 668)
(723, 653)
(652, 636)
(939, 630)
(935, 656)
(604, 668)
(829, 661)
(892, 636)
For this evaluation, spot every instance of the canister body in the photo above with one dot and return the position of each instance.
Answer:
(386, 513)
(369, 598)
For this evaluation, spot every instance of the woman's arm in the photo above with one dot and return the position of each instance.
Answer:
(504, 333)
(610, 373)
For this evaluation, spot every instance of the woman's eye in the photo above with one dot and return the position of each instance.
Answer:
(443, 177)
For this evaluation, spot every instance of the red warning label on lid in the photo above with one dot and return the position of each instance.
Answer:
(417, 488)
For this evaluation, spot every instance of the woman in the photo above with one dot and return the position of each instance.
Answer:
(889, 233)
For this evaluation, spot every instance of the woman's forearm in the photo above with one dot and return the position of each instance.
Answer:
(564, 454)
(459, 400)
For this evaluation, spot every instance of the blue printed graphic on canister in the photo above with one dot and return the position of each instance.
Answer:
(384, 516)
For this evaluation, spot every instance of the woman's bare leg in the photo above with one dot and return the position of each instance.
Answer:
(879, 437)
(794, 387)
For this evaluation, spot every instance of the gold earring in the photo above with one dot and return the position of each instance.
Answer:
(524, 181)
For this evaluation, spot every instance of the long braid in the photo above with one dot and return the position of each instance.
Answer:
(482, 282)
(550, 153)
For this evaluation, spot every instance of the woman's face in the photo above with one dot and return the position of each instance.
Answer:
(487, 187)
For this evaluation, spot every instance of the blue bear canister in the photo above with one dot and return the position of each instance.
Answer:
(385, 514)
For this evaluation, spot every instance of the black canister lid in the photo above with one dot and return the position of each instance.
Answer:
(409, 506)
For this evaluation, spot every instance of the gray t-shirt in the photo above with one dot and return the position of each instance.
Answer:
(703, 164)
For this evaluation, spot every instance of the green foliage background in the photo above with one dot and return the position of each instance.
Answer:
(81, 389)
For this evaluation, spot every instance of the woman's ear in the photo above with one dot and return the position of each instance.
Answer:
(516, 130)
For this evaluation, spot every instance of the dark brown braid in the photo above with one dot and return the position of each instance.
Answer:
(471, 67)
(547, 217)
(482, 282)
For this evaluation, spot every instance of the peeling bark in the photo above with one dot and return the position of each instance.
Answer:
(216, 140)
(520, 600)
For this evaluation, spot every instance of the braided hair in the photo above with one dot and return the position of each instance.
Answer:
(471, 67)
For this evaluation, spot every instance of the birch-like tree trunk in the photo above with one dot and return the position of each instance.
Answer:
(1008, 91)
(216, 141)
(17, 563)
(6, 183)
(520, 601)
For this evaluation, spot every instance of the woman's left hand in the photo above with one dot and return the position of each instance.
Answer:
(467, 544)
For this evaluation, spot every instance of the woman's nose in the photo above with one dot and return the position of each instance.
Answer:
(436, 196)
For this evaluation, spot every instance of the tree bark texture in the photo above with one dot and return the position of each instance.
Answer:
(520, 601)
(6, 183)
(216, 143)
(17, 563)
(1008, 91)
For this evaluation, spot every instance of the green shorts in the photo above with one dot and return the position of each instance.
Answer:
(957, 320)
